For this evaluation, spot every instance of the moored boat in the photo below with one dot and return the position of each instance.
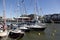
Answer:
(3, 27)
(37, 27)
(3, 33)
(15, 34)
(24, 28)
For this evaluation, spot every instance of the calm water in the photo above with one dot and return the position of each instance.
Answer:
(52, 32)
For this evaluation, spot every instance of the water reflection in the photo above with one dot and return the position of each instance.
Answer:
(4, 38)
(34, 35)
(53, 32)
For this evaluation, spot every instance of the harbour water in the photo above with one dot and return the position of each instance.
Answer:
(52, 32)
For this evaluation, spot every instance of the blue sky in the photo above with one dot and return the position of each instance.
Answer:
(47, 6)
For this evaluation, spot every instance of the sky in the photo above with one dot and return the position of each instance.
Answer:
(15, 8)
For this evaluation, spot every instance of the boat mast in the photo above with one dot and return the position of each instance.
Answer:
(4, 12)
(10, 12)
(17, 10)
(36, 10)
(24, 7)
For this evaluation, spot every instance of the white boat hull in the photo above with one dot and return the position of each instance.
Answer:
(3, 33)
(16, 34)
(25, 29)
(37, 27)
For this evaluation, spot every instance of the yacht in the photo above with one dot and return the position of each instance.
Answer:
(15, 34)
(37, 25)
(3, 31)
(3, 27)
(24, 28)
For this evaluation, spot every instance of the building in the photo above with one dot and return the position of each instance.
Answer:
(52, 18)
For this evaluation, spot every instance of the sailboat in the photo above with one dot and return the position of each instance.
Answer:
(36, 25)
(15, 32)
(3, 33)
(3, 29)
(24, 26)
